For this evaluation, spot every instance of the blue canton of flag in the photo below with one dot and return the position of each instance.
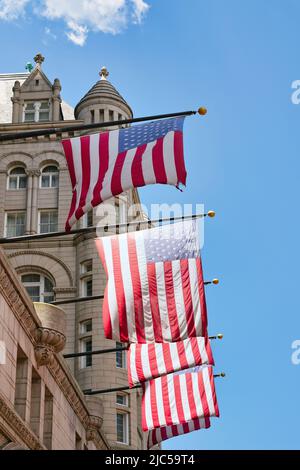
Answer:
(135, 136)
(172, 242)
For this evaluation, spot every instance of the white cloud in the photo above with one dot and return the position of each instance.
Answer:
(11, 9)
(49, 33)
(77, 33)
(81, 16)
(140, 9)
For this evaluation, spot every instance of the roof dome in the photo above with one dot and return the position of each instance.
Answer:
(103, 92)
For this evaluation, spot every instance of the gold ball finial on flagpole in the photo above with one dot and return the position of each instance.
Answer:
(202, 111)
(220, 336)
(215, 281)
(211, 214)
(222, 374)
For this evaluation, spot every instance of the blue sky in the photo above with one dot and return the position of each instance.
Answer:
(239, 59)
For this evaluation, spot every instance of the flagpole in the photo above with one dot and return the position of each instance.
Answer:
(99, 125)
(122, 348)
(75, 300)
(120, 389)
(105, 228)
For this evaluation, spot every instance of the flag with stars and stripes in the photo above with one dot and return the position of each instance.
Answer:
(155, 288)
(156, 436)
(107, 164)
(149, 361)
(178, 398)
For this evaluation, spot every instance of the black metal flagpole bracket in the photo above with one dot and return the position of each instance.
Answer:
(110, 350)
(105, 228)
(121, 389)
(76, 300)
(99, 125)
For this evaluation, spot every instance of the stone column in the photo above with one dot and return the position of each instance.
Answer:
(29, 201)
(21, 110)
(106, 114)
(16, 102)
(56, 100)
(34, 204)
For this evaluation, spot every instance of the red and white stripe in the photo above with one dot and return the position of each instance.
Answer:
(152, 360)
(158, 435)
(177, 398)
(98, 171)
(150, 302)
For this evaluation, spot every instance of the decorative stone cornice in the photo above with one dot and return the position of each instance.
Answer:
(19, 427)
(17, 304)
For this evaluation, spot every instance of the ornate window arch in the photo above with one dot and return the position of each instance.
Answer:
(16, 178)
(49, 176)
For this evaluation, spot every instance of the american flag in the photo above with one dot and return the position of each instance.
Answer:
(155, 289)
(155, 436)
(180, 397)
(107, 164)
(149, 361)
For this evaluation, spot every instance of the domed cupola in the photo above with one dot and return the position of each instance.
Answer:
(102, 103)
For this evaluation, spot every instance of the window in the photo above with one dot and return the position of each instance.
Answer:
(120, 357)
(49, 177)
(35, 403)
(86, 278)
(17, 178)
(37, 111)
(48, 419)
(29, 112)
(87, 219)
(86, 326)
(39, 287)
(122, 399)
(122, 428)
(87, 287)
(15, 224)
(21, 388)
(111, 115)
(48, 221)
(87, 266)
(86, 345)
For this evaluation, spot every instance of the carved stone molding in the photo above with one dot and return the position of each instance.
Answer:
(95, 436)
(48, 342)
(69, 390)
(33, 172)
(18, 426)
(11, 295)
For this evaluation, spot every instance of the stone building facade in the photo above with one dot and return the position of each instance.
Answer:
(41, 404)
(35, 193)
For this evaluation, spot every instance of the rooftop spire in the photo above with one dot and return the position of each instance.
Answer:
(39, 59)
(103, 73)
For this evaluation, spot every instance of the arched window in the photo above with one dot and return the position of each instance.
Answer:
(39, 287)
(17, 178)
(49, 177)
